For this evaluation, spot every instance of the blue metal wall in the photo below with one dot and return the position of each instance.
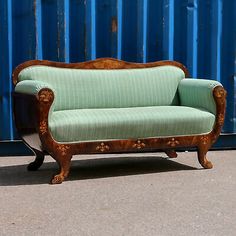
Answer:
(199, 33)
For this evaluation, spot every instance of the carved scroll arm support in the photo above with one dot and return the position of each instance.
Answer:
(219, 94)
(42, 105)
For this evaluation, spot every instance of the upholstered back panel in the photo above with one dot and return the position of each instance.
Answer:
(81, 88)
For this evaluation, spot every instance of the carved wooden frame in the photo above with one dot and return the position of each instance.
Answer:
(62, 152)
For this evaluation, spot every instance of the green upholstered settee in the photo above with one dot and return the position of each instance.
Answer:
(107, 105)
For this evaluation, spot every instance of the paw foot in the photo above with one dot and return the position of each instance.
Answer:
(171, 153)
(207, 164)
(57, 179)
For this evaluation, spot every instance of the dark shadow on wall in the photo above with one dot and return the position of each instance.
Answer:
(90, 169)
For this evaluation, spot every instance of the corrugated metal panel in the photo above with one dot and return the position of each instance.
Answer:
(199, 33)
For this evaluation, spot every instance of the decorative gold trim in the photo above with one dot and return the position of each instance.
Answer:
(102, 147)
(45, 96)
(173, 142)
(43, 127)
(63, 149)
(139, 144)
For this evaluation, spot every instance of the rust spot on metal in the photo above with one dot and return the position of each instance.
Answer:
(114, 24)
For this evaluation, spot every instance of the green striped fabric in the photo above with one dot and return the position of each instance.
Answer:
(80, 88)
(129, 123)
(32, 86)
(198, 93)
(101, 105)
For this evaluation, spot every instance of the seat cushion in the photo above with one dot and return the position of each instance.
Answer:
(129, 123)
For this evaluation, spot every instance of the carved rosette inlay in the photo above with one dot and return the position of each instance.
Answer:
(220, 92)
(102, 147)
(173, 142)
(139, 144)
(45, 96)
(63, 149)
(204, 140)
(43, 127)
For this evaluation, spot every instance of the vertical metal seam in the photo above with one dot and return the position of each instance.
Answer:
(145, 7)
(58, 32)
(93, 29)
(90, 47)
(119, 29)
(219, 34)
(168, 29)
(171, 30)
(38, 26)
(192, 17)
(67, 29)
(142, 31)
(195, 39)
(9, 21)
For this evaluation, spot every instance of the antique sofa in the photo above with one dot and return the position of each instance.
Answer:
(111, 106)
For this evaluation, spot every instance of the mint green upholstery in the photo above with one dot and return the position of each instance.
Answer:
(198, 93)
(126, 123)
(122, 104)
(76, 88)
(32, 86)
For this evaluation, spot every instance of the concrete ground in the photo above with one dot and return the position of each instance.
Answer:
(129, 194)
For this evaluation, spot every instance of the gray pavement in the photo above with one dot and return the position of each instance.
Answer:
(129, 194)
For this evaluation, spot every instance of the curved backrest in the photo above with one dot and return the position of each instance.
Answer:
(97, 88)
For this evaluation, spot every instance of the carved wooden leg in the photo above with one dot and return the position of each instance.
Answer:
(64, 164)
(33, 166)
(202, 151)
(171, 153)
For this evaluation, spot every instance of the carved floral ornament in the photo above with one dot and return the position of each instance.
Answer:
(220, 92)
(204, 140)
(45, 96)
(173, 142)
(102, 147)
(43, 127)
(139, 144)
(221, 119)
(63, 149)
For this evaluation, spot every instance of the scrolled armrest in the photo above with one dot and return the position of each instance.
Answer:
(32, 87)
(42, 106)
(198, 93)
